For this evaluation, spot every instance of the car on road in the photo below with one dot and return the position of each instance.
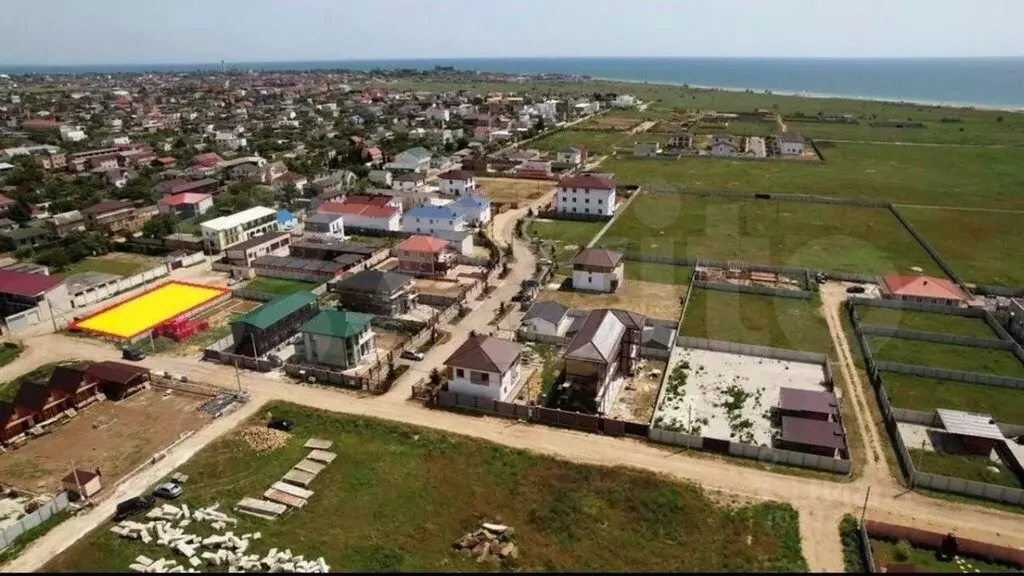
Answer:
(168, 491)
(133, 506)
(281, 424)
(133, 354)
(412, 355)
(855, 290)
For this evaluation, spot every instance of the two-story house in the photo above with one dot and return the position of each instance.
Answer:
(586, 194)
(411, 160)
(339, 338)
(110, 216)
(457, 182)
(371, 212)
(475, 209)
(598, 270)
(186, 205)
(376, 292)
(572, 155)
(486, 367)
(226, 231)
(325, 227)
(790, 144)
(607, 344)
(66, 223)
(429, 219)
(409, 181)
(424, 256)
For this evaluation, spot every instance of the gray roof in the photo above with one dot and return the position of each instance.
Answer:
(970, 424)
(657, 336)
(548, 310)
(601, 333)
(485, 354)
(324, 218)
(23, 233)
(78, 283)
(375, 281)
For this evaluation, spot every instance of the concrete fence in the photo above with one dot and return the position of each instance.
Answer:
(904, 334)
(219, 352)
(918, 306)
(865, 548)
(55, 506)
(932, 419)
(754, 289)
(1005, 291)
(534, 336)
(120, 286)
(954, 375)
(933, 541)
(968, 488)
(791, 271)
(751, 350)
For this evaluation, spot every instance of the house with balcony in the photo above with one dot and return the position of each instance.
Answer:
(270, 244)
(371, 212)
(424, 256)
(606, 345)
(222, 233)
(325, 227)
(486, 367)
(111, 216)
(186, 205)
(339, 339)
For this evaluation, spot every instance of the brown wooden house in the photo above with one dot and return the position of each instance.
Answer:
(41, 400)
(117, 380)
(14, 421)
(72, 384)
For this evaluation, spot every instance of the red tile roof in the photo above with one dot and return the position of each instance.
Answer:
(366, 210)
(25, 284)
(422, 243)
(369, 200)
(584, 181)
(923, 287)
(208, 160)
(184, 198)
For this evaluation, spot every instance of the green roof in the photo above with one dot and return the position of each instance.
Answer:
(277, 309)
(337, 323)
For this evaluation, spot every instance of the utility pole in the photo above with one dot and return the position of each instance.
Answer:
(74, 472)
(864, 510)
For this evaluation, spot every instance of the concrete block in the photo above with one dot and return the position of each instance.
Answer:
(195, 562)
(138, 567)
(185, 549)
(144, 560)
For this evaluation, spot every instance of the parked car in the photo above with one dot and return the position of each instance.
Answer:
(412, 355)
(1019, 440)
(281, 424)
(855, 290)
(133, 354)
(168, 491)
(133, 506)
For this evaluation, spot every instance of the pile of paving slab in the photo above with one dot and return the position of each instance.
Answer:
(166, 527)
(291, 490)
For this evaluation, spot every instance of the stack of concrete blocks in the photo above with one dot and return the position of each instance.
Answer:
(260, 508)
(158, 566)
(292, 489)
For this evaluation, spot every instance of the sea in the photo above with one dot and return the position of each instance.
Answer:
(978, 82)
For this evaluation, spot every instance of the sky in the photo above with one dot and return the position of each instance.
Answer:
(70, 32)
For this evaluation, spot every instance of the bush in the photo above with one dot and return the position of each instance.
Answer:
(902, 551)
(853, 556)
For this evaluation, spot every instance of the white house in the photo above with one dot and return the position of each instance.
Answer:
(72, 133)
(429, 219)
(598, 270)
(458, 182)
(325, 226)
(382, 177)
(372, 212)
(409, 181)
(230, 140)
(413, 160)
(486, 367)
(790, 144)
(572, 155)
(723, 149)
(221, 233)
(476, 210)
(586, 194)
(438, 114)
(625, 101)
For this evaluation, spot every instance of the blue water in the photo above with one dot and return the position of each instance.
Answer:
(983, 82)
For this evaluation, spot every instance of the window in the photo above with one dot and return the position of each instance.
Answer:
(460, 373)
(586, 201)
(599, 201)
(587, 210)
(483, 376)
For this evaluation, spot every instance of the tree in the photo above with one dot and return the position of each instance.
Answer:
(20, 212)
(160, 226)
(435, 378)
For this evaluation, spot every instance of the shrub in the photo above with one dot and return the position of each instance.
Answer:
(902, 551)
(853, 556)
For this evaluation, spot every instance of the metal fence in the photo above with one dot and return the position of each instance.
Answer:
(760, 453)
(55, 506)
(541, 415)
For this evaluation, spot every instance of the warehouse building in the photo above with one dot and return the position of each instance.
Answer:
(265, 328)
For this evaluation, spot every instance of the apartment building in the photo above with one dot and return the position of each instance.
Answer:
(226, 231)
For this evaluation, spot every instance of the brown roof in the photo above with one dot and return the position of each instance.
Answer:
(457, 175)
(32, 396)
(84, 477)
(587, 181)
(108, 206)
(485, 354)
(814, 401)
(67, 379)
(813, 432)
(117, 372)
(597, 257)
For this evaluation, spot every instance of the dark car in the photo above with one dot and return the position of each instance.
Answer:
(281, 424)
(855, 290)
(133, 354)
(133, 506)
(1019, 440)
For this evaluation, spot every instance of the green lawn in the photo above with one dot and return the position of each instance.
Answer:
(884, 553)
(596, 142)
(278, 286)
(757, 320)
(9, 353)
(31, 535)
(8, 390)
(928, 394)
(925, 321)
(568, 237)
(968, 467)
(945, 176)
(820, 236)
(981, 247)
(660, 273)
(398, 496)
(946, 356)
(121, 267)
(973, 130)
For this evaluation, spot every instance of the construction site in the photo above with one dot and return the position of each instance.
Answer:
(748, 277)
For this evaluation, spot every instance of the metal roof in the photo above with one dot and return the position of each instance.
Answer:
(258, 241)
(25, 284)
(809, 432)
(485, 354)
(238, 218)
(970, 424)
(815, 401)
(337, 323)
(299, 264)
(277, 310)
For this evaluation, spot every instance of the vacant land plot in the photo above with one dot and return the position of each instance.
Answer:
(980, 246)
(279, 286)
(596, 142)
(947, 356)
(925, 322)
(660, 273)
(114, 437)
(652, 299)
(757, 320)
(966, 466)
(507, 190)
(610, 122)
(120, 263)
(928, 394)
(885, 553)
(219, 318)
(637, 396)
(567, 237)
(820, 236)
(943, 176)
(448, 288)
(406, 493)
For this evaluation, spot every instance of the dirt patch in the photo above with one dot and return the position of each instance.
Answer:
(388, 340)
(449, 289)
(263, 439)
(605, 122)
(654, 300)
(114, 437)
(512, 190)
(639, 394)
(219, 315)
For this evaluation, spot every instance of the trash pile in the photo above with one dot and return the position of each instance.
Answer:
(263, 439)
(489, 542)
(166, 527)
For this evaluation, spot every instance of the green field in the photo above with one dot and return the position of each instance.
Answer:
(9, 353)
(278, 286)
(983, 245)
(660, 273)
(820, 236)
(128, 266)
(568, 237)
(928, 394)
(596, 142)
(941, 176)
(925, 322)
(968, 467)
(398, 496)
(757, 320)
(946, 356)
(884, 553)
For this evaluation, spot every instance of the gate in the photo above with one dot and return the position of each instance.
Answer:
(716, 445)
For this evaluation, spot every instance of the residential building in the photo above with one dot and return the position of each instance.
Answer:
(266, 327)
(5, 204)
(458, 182)
(482, 134)
(15, 421)
(72, 133)
(438, 114)
(428, 219)
(112, 216)
(30, 237)
(20, 291)
(486, 367)
(325, 226)
(475, 209)
(723, 149)
(790, 144)
(339, 338)
(424, 256)
(412, 160)
(271, 244)
(810, 404)
(681, 141)
(206, 162)
(598, 270)
(646, 149)
(381, 177)
(118, 177)
(371, 212)
(546, 317)
(572, 155)
(607, 344)
(821, 437)
(625, 101)
(247, 172)
(181, 186)
(273, 171)
(375, 292)
(226, 231)
(409, 181)
(586, 194)
(66, 223)
(186, 205)
(924, 289)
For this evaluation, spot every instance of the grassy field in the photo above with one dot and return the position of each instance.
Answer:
(400, 496)
(928, 394)
(758, 320)
(596, 142)
(822, 236)
(942, 176)
(968, 467)
(568, 237)
(982, 246)
(278, 286)
(660, 273)
(947, 356)
(925, 322)
(884, 552)
(10, 353)
(121, 264)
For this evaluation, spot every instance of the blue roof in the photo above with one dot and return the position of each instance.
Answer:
(472, 201)
(436, 212)
(284, 216)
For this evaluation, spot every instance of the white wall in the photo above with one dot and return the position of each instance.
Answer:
(458, 187)
(500, 386)
(791, 148)
(595, 281)
(574, 201)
